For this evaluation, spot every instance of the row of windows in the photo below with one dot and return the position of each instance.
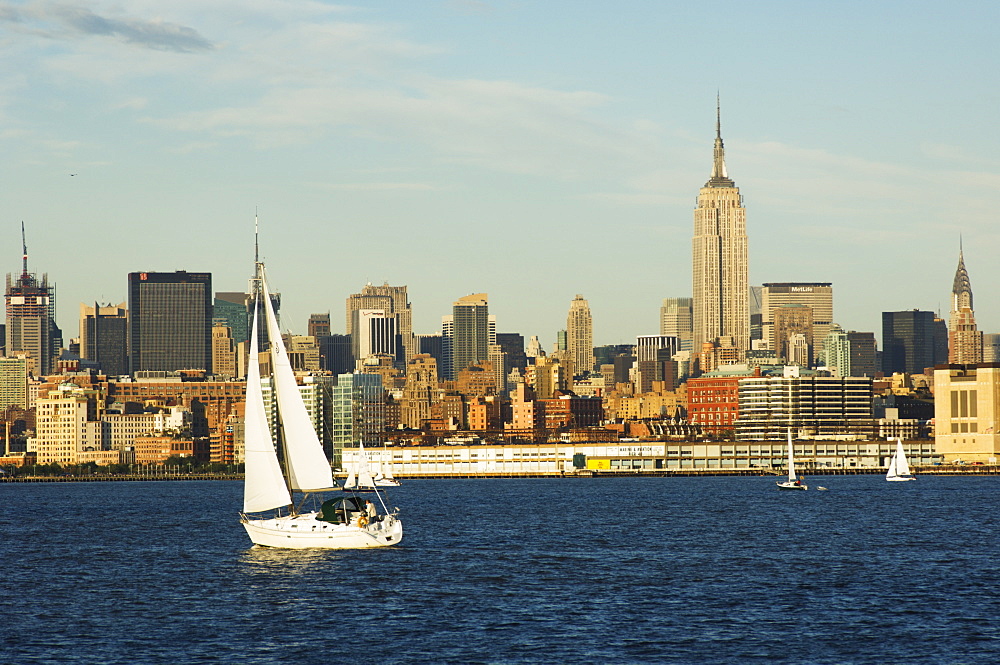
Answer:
(970, 428)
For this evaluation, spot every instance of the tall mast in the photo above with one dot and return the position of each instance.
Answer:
(253, 287)
(255, 280)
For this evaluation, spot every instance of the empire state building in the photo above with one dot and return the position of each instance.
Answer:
(719, 259)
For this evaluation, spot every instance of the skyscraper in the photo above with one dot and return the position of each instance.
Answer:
(233, 306)
(104, 337)
(319, 325)
(466, 334)
(818, 296)
(374, 333)
(358, 412)
(170, 324)
(224, 354)
(13, 383)
(965, 340)
(580, 335)
(675, 320)
(910, 342)
(335, 354)
(991, 348)
(31, 328)
(653, 354)
(720, 264)
(513, 346)
(236, 308)
(792, 325)
(393, 300)
(850, 352)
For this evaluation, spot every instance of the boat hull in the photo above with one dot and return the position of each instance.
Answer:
(899, 479)
(305, 532)
(789, 485)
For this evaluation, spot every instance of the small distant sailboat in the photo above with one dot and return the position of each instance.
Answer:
(898, 470)
(359, 475)
(385, 478)
(793, 483)
(344, 522)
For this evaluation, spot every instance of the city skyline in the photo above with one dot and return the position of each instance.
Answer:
(501, 145)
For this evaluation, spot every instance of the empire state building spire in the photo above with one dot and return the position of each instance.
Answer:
(719, 177)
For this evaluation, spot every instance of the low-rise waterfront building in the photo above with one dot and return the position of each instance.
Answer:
(567, 457)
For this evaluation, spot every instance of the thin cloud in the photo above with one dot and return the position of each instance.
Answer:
(136, 103)
(62, 21)
(377, 186)
(192, 147)
(496, 124)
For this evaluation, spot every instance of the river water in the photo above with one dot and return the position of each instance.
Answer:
(620, 570)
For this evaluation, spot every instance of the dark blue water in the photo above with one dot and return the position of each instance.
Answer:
(656, 570)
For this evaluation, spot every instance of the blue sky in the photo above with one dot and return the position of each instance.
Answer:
(529, 150)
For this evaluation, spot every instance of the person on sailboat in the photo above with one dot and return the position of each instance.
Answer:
(371, 512)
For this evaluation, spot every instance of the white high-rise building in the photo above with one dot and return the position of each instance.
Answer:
(394, 302)
(374, 334)
(720, 264)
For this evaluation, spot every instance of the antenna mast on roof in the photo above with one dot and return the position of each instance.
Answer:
(24, 247)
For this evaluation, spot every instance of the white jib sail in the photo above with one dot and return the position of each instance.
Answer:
(306, 463)
(352, 478)
(264, 487)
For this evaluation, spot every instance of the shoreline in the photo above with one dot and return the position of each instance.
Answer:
(952, 470)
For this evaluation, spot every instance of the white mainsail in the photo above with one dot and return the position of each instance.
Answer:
(364, 473)
(306, 463)
(898, 466)
(264, 487)
(791, 458)
(902, 468)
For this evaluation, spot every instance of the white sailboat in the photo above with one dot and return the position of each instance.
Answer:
(793, 483)
(359, 475)
(383, 477)
(344, 522)
(898, 470)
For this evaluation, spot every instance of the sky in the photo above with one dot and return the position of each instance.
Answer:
(529, 150)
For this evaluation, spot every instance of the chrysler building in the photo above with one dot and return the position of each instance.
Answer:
(965, 340)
